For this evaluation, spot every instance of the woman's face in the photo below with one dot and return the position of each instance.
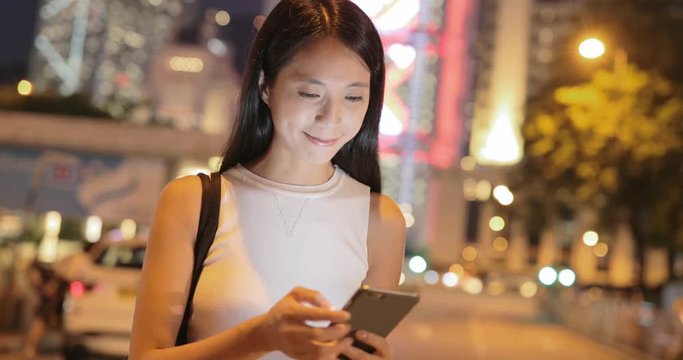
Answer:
(318, 101)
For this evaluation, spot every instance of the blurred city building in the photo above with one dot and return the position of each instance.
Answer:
(553, 34)
(517, 44)
(514, 46)
(194, 84)
(100, 48)
(171, 98)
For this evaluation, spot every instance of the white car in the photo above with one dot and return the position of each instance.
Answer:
(98, 308)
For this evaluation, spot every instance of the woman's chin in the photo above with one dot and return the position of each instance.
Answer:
(318, 158)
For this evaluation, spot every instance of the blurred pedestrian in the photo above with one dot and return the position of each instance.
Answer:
(302, 221)
(51, 282)
(78, 265)
(50, 289)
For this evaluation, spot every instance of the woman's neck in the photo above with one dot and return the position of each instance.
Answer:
(293, 172)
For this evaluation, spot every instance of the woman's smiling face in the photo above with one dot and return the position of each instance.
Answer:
(317, 102)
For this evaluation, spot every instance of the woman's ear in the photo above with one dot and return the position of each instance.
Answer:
(263, 88)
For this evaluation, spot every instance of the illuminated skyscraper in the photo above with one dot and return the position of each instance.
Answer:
(193, 85)
(554, 34)
(100, 48)
(517, 44)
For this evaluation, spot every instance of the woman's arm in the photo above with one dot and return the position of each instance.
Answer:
(386, 242)
(165, 284)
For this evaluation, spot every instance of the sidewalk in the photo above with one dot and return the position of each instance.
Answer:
(636, 328)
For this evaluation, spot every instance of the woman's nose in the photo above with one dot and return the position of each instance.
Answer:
(330, 112)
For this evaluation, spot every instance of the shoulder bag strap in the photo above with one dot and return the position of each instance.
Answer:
(208, 223)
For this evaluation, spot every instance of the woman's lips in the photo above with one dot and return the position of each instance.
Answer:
(321, 142)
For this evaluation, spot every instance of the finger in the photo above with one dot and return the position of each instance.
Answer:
(332, 349)
(342, 345)
(258, 22)
(380, 343)
(331, 333)
(304, 295)
(355, 353)
(303, 313)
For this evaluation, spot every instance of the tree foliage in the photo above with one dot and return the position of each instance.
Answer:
(613, 144)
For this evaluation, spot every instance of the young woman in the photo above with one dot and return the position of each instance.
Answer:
(302, 222)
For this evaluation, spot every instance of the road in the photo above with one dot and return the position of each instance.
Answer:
(454, 325)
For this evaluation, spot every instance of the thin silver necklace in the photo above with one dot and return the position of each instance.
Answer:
(289, 231)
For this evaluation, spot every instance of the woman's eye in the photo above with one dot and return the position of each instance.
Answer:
(308, 95)
(354, 98)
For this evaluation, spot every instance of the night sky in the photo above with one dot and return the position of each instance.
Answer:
(17, 27)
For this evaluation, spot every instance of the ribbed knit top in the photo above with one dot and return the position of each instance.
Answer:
(273, 237)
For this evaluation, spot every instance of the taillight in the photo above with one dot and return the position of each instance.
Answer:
(78, 288)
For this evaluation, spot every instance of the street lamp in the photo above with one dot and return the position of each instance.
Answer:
(593, 48)
(24, 88)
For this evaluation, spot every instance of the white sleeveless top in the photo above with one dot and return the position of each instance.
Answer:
(273, 237)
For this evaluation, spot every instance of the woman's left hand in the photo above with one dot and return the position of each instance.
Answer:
(382, 348)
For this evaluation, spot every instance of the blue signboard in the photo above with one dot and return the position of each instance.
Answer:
(79, 184)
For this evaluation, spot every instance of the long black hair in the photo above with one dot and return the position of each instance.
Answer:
(290, 25)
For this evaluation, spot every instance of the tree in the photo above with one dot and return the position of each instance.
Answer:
(613, 144)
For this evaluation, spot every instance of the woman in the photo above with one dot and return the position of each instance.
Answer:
(302, 221)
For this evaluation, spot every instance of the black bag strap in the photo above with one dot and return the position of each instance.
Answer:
(208, 223)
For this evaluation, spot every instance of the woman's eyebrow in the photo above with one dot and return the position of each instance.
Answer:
(309, 80)
(359, 84)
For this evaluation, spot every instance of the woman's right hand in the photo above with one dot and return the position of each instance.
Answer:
(285, 328)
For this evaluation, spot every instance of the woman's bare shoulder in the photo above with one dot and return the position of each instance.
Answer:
(186, 187)
(385, 214)
(180, 202)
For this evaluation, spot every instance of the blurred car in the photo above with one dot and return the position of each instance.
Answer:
(98, 308)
